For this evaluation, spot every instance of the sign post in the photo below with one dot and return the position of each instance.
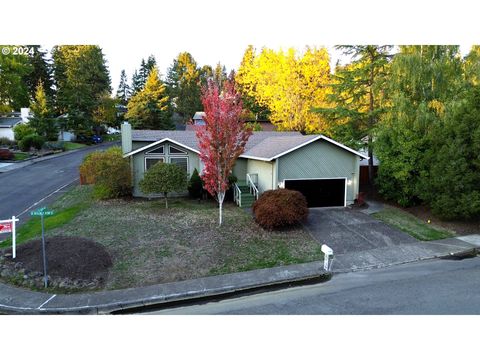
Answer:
(7, 226)
(42, 212)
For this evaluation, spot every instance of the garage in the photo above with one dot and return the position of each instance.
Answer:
(320, 192)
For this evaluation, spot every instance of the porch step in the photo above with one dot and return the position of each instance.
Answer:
(247, 200)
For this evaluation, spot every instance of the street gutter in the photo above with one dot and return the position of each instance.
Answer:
(19, 301)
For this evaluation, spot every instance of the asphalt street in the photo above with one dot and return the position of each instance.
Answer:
(429, 287)
(40, 183)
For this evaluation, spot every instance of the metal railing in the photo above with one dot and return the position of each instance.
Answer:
(251, 184)
(237, 195)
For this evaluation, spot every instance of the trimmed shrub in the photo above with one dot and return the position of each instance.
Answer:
(164, 178)
(280, 208)
(109, 172)
(21, 131)
(4, 141)
(54, 145)
(6, 154)
(31, 141)
(195, 185)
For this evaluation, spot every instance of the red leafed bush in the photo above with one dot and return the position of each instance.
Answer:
(280, 208)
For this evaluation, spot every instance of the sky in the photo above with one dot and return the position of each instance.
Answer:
(220, 31)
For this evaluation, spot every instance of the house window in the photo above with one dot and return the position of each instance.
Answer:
(150, 161)
(174, 150)
(180, 161)
(158, 151)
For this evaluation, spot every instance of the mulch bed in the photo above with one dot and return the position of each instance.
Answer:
(422, 212)
(67, 257)
(457, 226)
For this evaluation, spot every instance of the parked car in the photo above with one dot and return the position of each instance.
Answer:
(112, 131)
(97, 139)
(94, 139)
(6, 154)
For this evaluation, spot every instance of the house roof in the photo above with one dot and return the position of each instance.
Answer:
(199, 115)
(262, 145)
(273, 147)
(9, 122)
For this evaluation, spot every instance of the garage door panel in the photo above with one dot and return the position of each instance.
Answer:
(320, 192)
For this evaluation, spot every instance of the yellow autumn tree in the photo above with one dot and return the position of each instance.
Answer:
(289, 85)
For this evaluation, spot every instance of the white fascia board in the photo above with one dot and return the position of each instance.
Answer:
(343, 146)
(157, 143)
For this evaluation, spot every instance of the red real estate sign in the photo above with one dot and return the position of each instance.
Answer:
(5, 228)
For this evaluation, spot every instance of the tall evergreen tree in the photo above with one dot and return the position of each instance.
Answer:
(123, 91)
(184, 87)
(357, 96)
(81, 78)
(137, 84)
(150, 108)
(220, 74)
(41, 72)
(42, 121)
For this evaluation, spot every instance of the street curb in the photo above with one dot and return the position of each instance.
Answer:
(24, 163)
(460, 254)
(107, 302)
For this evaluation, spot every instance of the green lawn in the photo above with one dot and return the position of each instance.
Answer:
(112, 137)
(72, 145)
(66, 208)
(21, 156)
(150, 244)
(411, 224)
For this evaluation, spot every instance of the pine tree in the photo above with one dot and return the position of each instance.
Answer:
(137, 84)
(41, 72)
(143, 73)
(150, 108)
(183, 80)
(123, 91)
(42, 121)
(357, 95)
(220, 74)
(81, 78)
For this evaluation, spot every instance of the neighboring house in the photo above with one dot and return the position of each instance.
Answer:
(326, 172)
(197, 119)
(364, 175)
(63, 134)
(9, 121)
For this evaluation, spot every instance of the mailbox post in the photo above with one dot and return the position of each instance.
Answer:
(328, 258)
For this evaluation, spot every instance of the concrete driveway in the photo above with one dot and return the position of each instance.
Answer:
(359, 241)
(346, 230)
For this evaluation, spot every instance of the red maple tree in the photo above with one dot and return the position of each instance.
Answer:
(222, 139)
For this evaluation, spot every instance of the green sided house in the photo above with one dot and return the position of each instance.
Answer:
(325, 171)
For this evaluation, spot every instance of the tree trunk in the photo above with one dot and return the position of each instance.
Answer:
(371, 123)
(221, 197)
(166, 200)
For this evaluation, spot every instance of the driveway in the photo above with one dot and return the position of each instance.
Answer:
(361, 242)
(346, 230)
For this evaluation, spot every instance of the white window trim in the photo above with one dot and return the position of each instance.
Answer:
(151, 157)
(159, 154)
(180, 157)
(176, 154)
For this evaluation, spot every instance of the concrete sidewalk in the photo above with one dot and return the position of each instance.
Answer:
(405, 253)
(19, 301)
